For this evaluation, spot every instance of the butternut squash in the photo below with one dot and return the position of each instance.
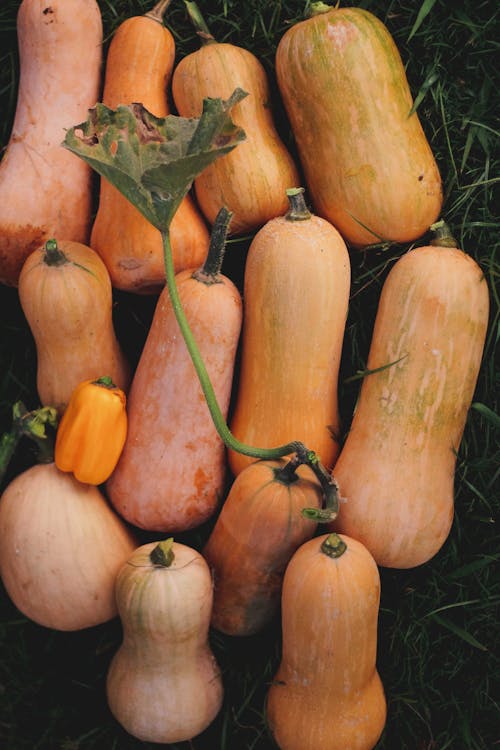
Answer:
(327, 692)
(138, 69)
(61, 549)
(296, 292)
(368, 165)
(396, 468)
(251, 180)
(45, 191)
(66, 296)
(163, 683)
(172, 471)
(258, 529)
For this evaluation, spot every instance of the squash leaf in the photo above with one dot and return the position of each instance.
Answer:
(154, 160)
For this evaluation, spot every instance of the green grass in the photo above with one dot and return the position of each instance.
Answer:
(438, 642)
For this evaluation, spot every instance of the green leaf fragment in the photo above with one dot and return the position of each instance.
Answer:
(152, 160)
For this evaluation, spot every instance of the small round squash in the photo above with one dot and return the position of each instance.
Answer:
(61, 546)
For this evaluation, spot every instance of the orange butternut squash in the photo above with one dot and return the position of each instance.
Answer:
(250, 181)
(138, 69)
(396, 468)
(62, 547)
(368, 165)
(327, 692)
(66, 296)
(296, 291)
(258, 529)
(45, 191)
(163, 683)
(171, 473)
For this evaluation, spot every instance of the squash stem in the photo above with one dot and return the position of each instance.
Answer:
(53, 256)
(333, 546)
(319, 7)
(298, 210)
(157, 13)
(209, 273)
(199, 23)
(162, 556)
(287, 474)
(442, 236)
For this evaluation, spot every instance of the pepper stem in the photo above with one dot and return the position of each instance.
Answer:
(163, 554)
(333, 546)
(53, 255)
(298, 210)
(106, 382)
(31, 424)
(442, 235)
(199, 23)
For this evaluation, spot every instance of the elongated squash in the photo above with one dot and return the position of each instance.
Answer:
(250, 181)
(138, 69)
(396, 468)
(327, 692)
(368, 165)
(44, 190)
(258, 529)
(172, 471)
(65, 293)
(296, 291)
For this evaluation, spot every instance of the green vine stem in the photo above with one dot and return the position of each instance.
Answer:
(31, 424)
(308, 457)
(153, 161)
(199, 23)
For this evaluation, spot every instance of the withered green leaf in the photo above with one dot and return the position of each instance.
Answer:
(154, 160)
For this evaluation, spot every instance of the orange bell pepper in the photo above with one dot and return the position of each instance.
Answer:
(92, 431)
